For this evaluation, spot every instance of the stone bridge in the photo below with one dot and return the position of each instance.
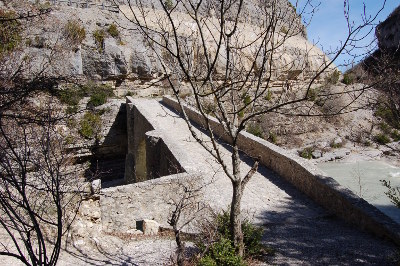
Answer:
(286, 192)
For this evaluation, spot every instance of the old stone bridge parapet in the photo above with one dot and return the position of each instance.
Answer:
(155, 169)
(306, 178)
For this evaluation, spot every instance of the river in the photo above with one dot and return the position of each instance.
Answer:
(363, 178)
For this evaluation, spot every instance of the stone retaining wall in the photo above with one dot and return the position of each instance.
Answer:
(323, 190)
(153, 176)
(123, 206)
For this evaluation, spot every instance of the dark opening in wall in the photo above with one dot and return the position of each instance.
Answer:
(108, 161)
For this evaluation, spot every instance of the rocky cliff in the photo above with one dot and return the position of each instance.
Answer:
(128, 57)
(388, 32)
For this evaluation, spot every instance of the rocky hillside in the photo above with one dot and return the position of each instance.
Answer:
(111, 49)
(388, 32)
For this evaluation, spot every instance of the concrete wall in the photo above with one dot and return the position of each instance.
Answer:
(153, 176)
(148, 155)
(323, 190)
(123, 206)
(109, 154)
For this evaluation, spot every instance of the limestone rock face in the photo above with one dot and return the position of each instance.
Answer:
(110, 62)
(388, 32)
(129, 57)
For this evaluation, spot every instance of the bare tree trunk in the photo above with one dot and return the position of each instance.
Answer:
(235, 217)
(181, 247)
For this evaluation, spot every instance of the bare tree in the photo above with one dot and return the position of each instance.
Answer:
(231, 55)
(186, 207)
(38, 194)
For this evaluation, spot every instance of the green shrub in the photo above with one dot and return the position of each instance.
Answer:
(10, 32)
(273, 138)
(98, 93)
(68, 140)
(256, 130)
(246, 99)
(252, 239)
(113, 31)
(252, 234)
(98, 98)
(207, 261)
(393, 193)
(384, 127)
(222, 253)
(306, 153)
(333, 78)
(382, 139)
(99, 37)
(268, 97)
(388, 115)
(209, 108)
(72, 109)
(90, 125)
(70, 95)
(74, 31)
(312, 94)
(395, 135)
(169, 4)
(71, 123)
(348, 78)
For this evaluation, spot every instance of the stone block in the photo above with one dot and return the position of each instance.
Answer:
(96, 186)
(150, 227)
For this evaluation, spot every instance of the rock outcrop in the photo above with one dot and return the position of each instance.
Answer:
(388, 32)
(129, 57)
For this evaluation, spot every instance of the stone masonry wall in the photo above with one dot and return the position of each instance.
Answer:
(323, 190)
(123, 206)
(153, 176)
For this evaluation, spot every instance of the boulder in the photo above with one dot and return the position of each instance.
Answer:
(96, 186)
(316, 154)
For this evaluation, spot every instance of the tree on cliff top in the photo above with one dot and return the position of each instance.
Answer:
(242, 60)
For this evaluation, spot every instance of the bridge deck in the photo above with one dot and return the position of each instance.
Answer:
(295, 226)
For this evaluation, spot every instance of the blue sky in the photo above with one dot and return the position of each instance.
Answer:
(328, 26)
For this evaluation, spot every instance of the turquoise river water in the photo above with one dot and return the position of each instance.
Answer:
(363, 178)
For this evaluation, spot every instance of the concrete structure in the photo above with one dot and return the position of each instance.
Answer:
(161, 144)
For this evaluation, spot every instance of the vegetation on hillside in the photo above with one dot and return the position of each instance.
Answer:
(10, 31)
(74, 31)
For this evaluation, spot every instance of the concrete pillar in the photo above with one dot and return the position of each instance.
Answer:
(129, 176)
(153, 154)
